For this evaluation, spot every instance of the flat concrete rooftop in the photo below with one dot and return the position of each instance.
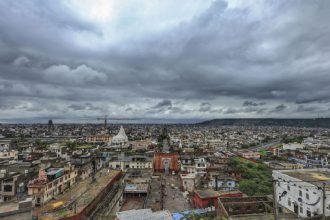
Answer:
(314, 176)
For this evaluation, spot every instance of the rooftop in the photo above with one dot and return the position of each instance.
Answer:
(315, 176)
(144, 214)
(207, 193)
(83, 193)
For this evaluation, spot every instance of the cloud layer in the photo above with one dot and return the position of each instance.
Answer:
(164, 59)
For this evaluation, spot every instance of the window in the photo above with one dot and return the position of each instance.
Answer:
(307, 196)
(300, 193)
(7, 188)
(289, 202)
(301, 209)
(288, 187)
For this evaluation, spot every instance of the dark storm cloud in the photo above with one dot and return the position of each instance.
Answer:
(164, 103)
(279, 108)
(272, 52)
(250, 103)
(302, 108)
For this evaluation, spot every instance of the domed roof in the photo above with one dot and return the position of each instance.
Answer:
(121, 136)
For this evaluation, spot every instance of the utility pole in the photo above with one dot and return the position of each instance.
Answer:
(275, 200)
(323, 201)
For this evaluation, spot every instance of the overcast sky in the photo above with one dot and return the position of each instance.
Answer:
(73, 59)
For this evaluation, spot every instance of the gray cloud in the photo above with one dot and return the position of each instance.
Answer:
(205, 107)
(251, 103)
(164, 103)
(274, 53)
(279, 108)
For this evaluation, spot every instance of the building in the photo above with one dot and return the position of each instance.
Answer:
(205, 198)
(16, 210)
(250, 155)
(91, 200)
(131, 162)
(293, 146)
(143, 214)
(221, 181)
(136, 188)
(300, 191)
(50, 183)
(200, 164)
(248, 208)
(166, 162)
(188, 182)
(101, 138)
(140, 144)
(13, 186)
(187, 164)
(120, 140)
(8, 155)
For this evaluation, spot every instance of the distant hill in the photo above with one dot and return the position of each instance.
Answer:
(308, 123)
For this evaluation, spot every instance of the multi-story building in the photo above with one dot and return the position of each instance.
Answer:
(200, 165)
(50, 183)
(131, 162)
(101, 138)
(8, 155)
(300, 191)
(12, 185)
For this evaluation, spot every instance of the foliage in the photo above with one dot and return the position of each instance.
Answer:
(256, 177)
(40, 145)
(72, 145)
(246, 146)
(297, 139)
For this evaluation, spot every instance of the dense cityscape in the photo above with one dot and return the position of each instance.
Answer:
(162, 171)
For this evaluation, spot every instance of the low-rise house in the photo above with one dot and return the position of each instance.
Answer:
(205, 198)
(221, 181)
(188, 182)
(250, 155)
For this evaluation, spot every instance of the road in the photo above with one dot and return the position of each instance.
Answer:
(174, 200)
(265, 145)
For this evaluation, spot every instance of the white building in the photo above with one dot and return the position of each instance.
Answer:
(9, 155)
(131, 162)
(200, 165)
(188, 182)
(300, 191)
(293, 146)
(120, 140)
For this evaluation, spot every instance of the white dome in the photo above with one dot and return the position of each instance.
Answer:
(121, 137)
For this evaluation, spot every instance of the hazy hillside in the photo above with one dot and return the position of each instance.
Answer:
(318, 122)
